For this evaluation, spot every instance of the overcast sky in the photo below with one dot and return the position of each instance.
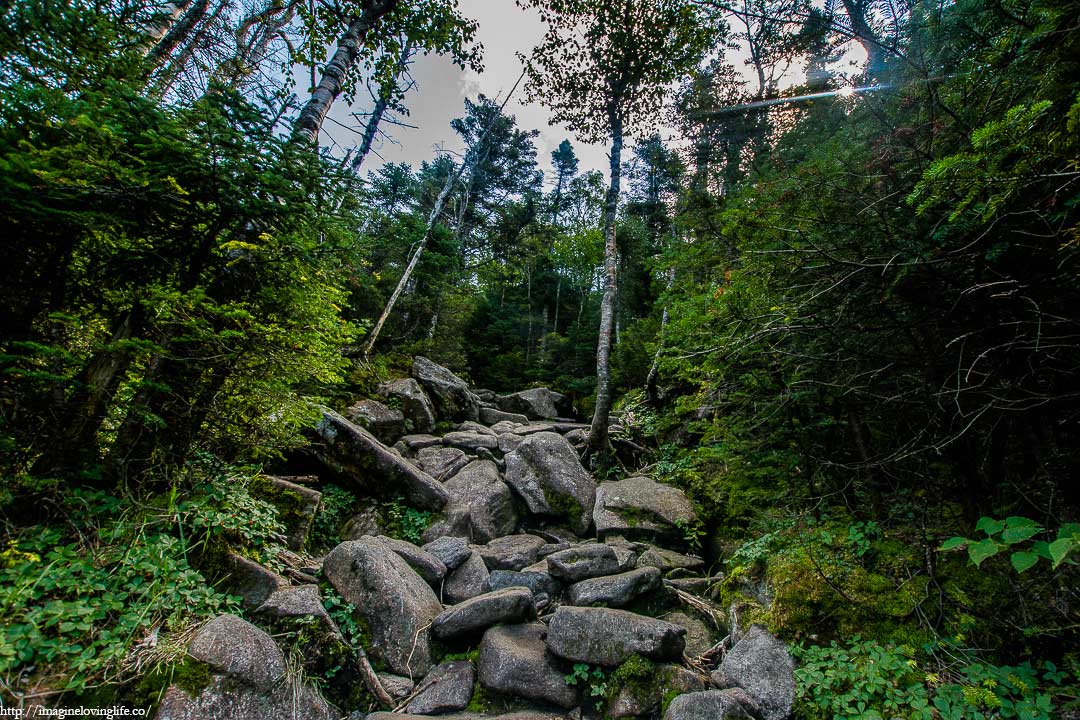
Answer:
(504, 29)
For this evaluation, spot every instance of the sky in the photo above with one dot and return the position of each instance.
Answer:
(504, 29)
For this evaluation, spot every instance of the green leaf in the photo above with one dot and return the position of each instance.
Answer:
(982, 550)
(1042, 549)
(1059, 549)
(1024, 560)
(953, 543)
(990, 526)
(1015, 521)
(1013, 535)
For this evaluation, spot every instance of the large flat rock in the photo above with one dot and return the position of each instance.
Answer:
(392, 600)
(515, 661)
(602, 636)
(546, 472)
(355, 454)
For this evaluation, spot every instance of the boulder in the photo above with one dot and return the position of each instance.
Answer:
(396, 686)
(393, 602)
(613, 590)
(470, 440)
(448, 687)
(546, 472)
(491, 416)
(441, 463)
(416, 443)
(515, 661)
(540, 583)
(641, 507)
(707, 705)
(761, 665)
(467, 581)
(471, 426)
(366, 522)
(486, 499)
(250, 580)
(536, 404)
(298, 601)
(295, 503)
(354, 453)
(237, 649)
(426, 565)
(513, 604)
(452, 521)
(645, 694)
(225, 699)
(512, 552)
(415, 404)
(602, 636)
(509, 442)
(667, 560)
(581, 562)
(452, 551)
(385, 423)
(700, 636)
(449, 393)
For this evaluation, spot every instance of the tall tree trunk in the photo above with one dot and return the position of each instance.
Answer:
(558, 290)
(157, 30)
(598, 432)
(314, 112)
(654, 369)
(168, 77)
(73, 445)
(529, 312)
(440, 202)
(377, 112)
(864, 34)
(178, 34)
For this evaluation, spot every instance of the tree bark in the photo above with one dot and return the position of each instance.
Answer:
(654, 369)
(178, 33)
(167, 77)
(598, 432)
(314, 112)
(856, 12)
(377, 112)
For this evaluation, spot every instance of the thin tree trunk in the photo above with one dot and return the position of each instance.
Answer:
(179, 63)
(598, 432)
(440, 202)
(529, 312)
(178, 33)
(372, 128)
(558, 289)
(314, 112)
(158, 30)
(84, 413)
(654, 369)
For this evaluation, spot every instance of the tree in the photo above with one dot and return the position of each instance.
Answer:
(566, 166)
(603, 68)
(429, 25)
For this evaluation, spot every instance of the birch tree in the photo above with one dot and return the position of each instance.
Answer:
(603, 68)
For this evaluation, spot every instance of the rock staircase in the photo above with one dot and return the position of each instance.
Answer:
(531, 576)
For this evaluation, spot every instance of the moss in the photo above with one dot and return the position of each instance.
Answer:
(190, 675)
(636, 675)
(564, 506)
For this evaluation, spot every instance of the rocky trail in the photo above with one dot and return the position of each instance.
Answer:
(537, 592)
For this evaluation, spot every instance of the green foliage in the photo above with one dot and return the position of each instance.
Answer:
(866, 679)
(1002, 535)
(404, 522)
(592, 681)
(81, 606)
(335, 509)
